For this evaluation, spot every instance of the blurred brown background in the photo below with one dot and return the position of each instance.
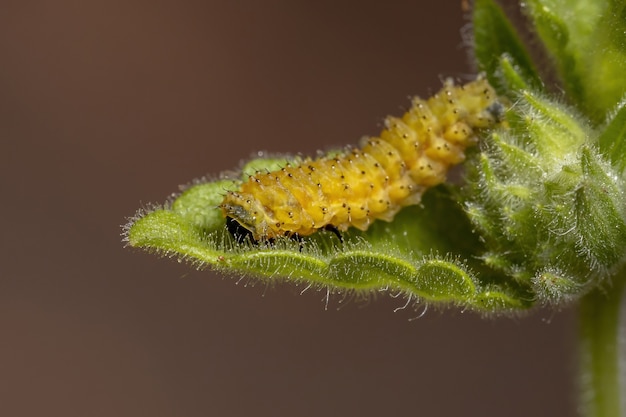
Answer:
(108, 105)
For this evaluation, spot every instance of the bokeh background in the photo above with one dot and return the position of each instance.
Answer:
(108, 105)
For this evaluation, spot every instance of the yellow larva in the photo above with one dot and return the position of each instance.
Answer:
(357, 186)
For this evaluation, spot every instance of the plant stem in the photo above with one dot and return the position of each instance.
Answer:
(603, 350)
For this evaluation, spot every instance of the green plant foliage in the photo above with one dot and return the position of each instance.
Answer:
(587, 42)
(612, 140)
(495, 40)
(384, 258)
(550, 209)
(541, 218)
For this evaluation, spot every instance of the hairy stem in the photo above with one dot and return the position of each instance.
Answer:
(603, 350)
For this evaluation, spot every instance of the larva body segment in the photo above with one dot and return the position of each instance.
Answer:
(357, 186)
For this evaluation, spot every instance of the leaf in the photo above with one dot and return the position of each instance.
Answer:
(511, 74)
(401, 256)
(587, 43)
(193, 203)
(495, 39)
(555, 130)
(612, 140)
(599, 209)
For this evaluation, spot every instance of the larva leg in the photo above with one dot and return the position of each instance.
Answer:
(239, 232)
(334, 230)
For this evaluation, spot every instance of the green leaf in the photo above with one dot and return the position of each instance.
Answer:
(192, 204)
(612, 140)
(555, 35)
(401, 256)
(263, 163)
(599, 209)
(555, 130)
(587, 43)
(513, 76)
(167, 232)
(605, 62)
(495, 39)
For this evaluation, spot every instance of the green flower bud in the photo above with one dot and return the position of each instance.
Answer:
(550, 209)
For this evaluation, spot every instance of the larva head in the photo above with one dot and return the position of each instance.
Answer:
(246, 213)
